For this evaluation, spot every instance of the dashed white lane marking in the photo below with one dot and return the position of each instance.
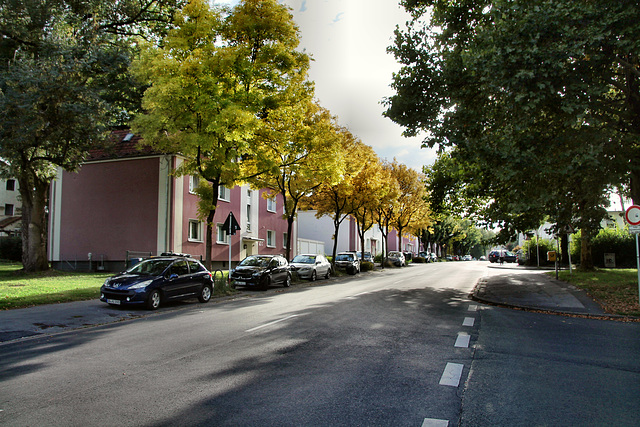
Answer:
(462, 340)
(432, 422)
(468, 321)
(473, 307)
(452, 374)
(271, 323)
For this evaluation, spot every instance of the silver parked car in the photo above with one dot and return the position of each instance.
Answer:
(397, 258)
(309, 266)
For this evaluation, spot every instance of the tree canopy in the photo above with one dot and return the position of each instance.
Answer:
(63, 81)
(539, 99)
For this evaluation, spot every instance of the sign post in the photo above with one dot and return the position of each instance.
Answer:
(632, 215)
(230, 226)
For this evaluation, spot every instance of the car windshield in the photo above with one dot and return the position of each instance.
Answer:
(304, 259)
(150, 267)
(255, 261)
(344, 257)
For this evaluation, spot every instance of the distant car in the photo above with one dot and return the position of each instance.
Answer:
(434, 257)
(262, 271)
(483, 258)
(311, 267)
(449, 258)
(156, 280)
(467, 258)
(348, 261)
(507, 256)
(368, 257)
(397, 258)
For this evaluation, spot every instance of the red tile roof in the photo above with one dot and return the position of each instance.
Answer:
(118, 147)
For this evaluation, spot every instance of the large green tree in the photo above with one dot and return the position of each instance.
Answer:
(63, 82)
(541, 97)
(213, 81)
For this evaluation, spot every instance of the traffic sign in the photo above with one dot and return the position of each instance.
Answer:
(634, 229)
(632, 215)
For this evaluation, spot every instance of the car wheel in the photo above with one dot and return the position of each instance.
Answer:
(314, 276)
(153, 302)
(205, 293)
(266, 282)
(328, 275)
(287, 281)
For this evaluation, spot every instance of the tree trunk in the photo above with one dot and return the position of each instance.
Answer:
(586, 258)
(33, 192)
(289, 230)
(209, 240)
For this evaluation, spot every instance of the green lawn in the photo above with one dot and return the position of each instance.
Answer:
(615, 289)
(18, 289)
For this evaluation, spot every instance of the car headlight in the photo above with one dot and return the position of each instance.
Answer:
(141, 285)
(106, 283)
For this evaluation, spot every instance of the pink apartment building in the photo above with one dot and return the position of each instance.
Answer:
(124, 203)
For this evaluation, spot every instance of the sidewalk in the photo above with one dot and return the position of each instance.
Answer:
(535, 291)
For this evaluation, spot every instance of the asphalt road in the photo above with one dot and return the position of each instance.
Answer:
(394, 348)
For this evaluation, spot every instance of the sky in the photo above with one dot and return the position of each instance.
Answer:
(347, 40)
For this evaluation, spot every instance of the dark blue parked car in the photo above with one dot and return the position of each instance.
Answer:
(157, 280)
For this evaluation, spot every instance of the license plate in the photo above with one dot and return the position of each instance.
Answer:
(113, 301)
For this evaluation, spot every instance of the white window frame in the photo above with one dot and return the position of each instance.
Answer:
(194, 181)
(248, 208)
(271, 204)
(271, 239)
(198, 237)
(224, 194)
(225, 237)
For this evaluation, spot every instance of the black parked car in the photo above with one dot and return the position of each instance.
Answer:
(507, 256)
(262, 271)
(156, 280)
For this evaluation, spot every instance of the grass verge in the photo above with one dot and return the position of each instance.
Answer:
(615, 289)
(19, 289)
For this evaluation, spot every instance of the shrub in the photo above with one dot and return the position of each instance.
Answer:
(532, 247)
(366, 266)
(378, 258)
(617, 241)
(11, 248)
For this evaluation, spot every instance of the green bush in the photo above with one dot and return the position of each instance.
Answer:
(378, 258)
(609, 240)
(366, 266)
(11, 248)
(531, 248)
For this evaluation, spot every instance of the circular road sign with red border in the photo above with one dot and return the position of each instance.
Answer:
(632, 215)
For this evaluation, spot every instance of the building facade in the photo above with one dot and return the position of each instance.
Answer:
(10, 208)
(125, 203)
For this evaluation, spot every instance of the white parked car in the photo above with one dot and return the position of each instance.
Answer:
(397, 258)
(309, 266)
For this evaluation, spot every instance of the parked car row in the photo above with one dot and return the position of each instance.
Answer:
(157, 280)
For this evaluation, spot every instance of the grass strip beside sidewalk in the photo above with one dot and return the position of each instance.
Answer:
(19, 289)
(616, 290)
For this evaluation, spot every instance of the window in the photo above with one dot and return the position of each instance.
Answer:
(8, 209)
(222, 238)
(195, 230)
(223, 193)
(284, 239)
(195, 267)
(194, 181)
(248, 217)
(271, 204)
(271, 239)
(11, 185)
